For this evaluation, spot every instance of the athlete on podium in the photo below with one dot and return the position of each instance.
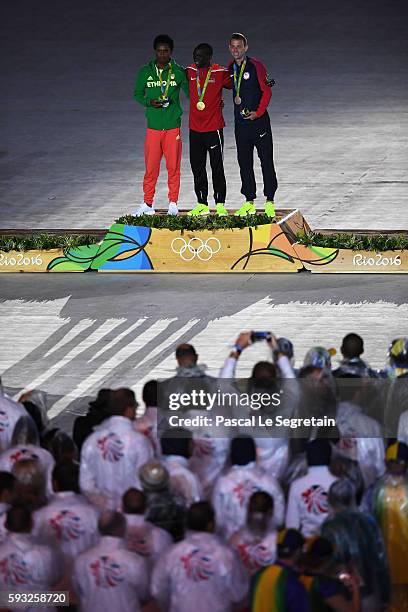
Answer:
(206, 81)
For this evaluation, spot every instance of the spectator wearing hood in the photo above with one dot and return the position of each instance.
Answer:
(361, 435)
(255, 543)
(25, 445)
(358, 545)
(234, 489)
(177, 447)
(389, 504)
(345, 468)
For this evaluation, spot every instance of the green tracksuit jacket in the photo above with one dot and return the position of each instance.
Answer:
(148, 88)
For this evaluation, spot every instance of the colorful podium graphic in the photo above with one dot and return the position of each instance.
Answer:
(269, 247)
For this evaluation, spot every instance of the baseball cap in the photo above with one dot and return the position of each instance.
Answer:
(289, 541)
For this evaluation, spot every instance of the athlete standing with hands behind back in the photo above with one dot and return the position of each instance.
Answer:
(252, 94)
(206, 81)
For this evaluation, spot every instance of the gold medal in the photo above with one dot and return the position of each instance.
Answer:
(237, 100)
(200, 105)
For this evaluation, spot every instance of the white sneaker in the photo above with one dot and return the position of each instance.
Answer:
(173, 210)
(144, 209)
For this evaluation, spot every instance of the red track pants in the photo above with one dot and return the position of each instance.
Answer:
(157, 144)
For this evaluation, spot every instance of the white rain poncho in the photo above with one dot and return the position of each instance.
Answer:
(183, 482)
(22, 452)
(10, 412)
(146, 539)
(200, 573)
(69, 522)
(110, 461)
(110, 577)
(308, 505)
(368, 450)
(26, 566)
(255, 550)
(232, 492)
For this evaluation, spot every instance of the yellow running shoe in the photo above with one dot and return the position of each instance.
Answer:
(270, 209)
(248, 208)
(200, 209)
(220, 210)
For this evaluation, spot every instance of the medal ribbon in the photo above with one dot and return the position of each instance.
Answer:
(164, 90)
(200, 91)
(237, 82)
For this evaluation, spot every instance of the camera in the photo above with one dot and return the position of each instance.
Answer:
(260, 335)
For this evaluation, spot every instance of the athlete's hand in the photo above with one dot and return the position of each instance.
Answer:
(252, 116)
(155, 103)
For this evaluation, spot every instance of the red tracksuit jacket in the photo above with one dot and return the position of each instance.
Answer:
(209, 119)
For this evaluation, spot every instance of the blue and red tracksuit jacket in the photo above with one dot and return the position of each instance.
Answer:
(254, 92)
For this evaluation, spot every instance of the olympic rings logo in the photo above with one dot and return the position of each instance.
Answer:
(196, 247)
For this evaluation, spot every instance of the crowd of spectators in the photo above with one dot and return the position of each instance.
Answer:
(128, 514)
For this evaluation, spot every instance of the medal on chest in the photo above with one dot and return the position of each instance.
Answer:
(201, 92)
(237, 81)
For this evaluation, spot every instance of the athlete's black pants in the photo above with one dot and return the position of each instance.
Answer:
(200, 144)
(249, 135)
